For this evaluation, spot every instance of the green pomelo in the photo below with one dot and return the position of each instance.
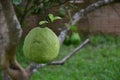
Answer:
(75, 38)
(41, 45)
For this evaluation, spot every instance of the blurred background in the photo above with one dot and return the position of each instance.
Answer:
(99, 60)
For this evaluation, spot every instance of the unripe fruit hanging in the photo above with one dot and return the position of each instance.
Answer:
(41, 45)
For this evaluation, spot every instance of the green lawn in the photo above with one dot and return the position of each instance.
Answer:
(99, 60)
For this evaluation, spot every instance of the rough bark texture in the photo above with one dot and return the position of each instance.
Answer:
(3, 32)
(8, 60)
(3, 39)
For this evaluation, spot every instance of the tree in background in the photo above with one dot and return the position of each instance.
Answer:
(10, 34)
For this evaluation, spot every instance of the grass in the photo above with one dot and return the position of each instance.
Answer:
(99, 60)
(0, 74)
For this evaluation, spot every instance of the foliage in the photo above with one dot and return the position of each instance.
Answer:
(74, 28)
(52, 19)
(42, 5)
(43, 22)
(16, 2)
(25, 8)
(98, 39)
(62, 11)
(0, 74)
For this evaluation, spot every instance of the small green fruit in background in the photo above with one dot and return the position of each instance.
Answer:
(41, 45)
(67, 41)
(62, 12)
(75, 38)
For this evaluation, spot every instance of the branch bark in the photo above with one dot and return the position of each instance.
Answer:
(33, 66)
(82, 13)
(66, 58)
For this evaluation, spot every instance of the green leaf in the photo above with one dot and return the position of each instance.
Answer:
(43, 22)
(74, 28)
(51, 16)
(17, 2)
(57, 17)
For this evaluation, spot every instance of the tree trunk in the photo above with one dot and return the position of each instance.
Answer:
(5, 76)
(10, 32)
(3, 39)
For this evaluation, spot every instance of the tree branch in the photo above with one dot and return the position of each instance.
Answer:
(82, 13)
(62, 35)
(14, 28)
(66, 58)
(33, 66)
(9, 63)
